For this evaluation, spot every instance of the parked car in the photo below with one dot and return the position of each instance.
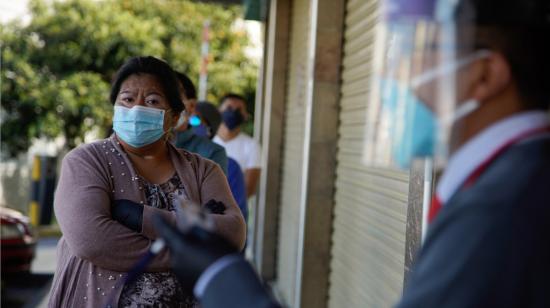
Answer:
(17, 241)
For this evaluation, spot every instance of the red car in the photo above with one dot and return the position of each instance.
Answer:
(18, 242)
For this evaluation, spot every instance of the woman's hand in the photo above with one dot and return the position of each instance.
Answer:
(193, 250)
(128, 213)
(215, 207)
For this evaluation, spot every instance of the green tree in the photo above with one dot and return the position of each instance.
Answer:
(56, 69)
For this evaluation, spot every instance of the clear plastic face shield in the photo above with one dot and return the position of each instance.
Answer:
(419, 83)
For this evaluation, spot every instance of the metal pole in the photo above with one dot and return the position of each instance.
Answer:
(205, 46)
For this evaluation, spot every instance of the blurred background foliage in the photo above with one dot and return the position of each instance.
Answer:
(56, 70)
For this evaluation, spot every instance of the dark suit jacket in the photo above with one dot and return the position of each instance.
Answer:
(490, 244)
(237, 286)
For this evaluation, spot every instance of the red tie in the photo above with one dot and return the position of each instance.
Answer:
(434, 208)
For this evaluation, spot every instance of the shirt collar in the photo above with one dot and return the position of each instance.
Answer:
(481, 147)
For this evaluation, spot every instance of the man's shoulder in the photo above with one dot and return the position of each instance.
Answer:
(515, 184)
(246, 140)
(516, 172)
(210, 144)
(200, 144)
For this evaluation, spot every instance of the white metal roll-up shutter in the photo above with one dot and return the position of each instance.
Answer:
(293, 150)
(370, 204)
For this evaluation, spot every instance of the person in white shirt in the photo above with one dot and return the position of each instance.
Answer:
(238, 145)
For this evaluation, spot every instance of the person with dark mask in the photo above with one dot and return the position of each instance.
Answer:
(238, 145)
(191, 132)
(465, 84)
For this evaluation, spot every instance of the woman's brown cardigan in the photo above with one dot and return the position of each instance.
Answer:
(96, 251)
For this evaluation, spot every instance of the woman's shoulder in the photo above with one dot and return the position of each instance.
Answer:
(88, 151)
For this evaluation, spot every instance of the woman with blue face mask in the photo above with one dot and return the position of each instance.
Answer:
(110, 189)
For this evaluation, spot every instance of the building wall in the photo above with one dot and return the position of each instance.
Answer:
(293, 147)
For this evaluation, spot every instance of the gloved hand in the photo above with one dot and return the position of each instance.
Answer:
(215, 207)
(128, 213)
(193, 250)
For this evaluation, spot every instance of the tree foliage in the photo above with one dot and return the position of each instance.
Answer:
(57, 68)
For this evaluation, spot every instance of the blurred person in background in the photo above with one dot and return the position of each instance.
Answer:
(189, 128)
(237, 144)
(464, 83)
(210, 122)
(109, 190)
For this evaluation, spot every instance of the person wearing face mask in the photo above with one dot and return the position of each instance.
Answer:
(191, 132)
(472, 97)
(463, 84)
(239, 146)
(110, 189)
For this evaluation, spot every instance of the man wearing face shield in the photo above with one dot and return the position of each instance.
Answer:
(464, 83)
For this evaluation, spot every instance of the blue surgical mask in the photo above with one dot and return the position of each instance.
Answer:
(232, 118)
(138, 126)
(412, 123)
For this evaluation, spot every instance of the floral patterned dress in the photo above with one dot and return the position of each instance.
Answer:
(160, 289)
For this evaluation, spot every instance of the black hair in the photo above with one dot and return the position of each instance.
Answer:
(520, 30)
(188, 87)
(232, 96)
(153, 66)
(211, 115)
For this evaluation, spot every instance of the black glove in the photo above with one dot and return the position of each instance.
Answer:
(192, 251)
(215, 207)
(128, 213)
